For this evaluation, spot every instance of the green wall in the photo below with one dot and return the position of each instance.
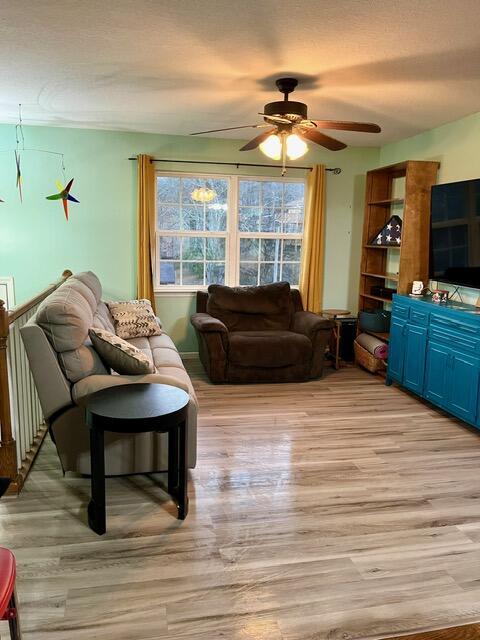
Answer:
(36, 243)
(455, 145)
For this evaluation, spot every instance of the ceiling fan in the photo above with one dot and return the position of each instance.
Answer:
(288, 128)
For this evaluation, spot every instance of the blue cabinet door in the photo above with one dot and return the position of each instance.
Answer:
(462, 386)
(396, 349)
(436, 373)
(415, 345)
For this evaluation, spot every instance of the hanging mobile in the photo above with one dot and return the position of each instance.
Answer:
(64, 195)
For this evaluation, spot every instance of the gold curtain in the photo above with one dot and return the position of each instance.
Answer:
(145, 228)
(311, 276)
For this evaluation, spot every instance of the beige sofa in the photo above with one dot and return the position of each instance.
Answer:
(66, 369)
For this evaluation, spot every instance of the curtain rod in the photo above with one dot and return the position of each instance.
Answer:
(334, 170)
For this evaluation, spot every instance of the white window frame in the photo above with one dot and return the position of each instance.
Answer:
(232, 235)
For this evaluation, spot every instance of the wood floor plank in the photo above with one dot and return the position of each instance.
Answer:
(336, 509)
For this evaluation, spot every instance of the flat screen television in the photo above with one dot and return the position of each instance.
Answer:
(455, 233)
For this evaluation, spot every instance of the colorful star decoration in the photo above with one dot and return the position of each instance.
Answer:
(64, 195)
(19, 175)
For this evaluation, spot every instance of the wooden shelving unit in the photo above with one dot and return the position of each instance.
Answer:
(382, 199)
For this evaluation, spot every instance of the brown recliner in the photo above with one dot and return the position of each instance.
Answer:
(259, 334)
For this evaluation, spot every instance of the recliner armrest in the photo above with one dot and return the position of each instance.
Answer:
(308, 323)
(204, 322)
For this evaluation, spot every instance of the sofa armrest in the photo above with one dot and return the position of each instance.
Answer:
(90, 384)
(309, 323)
(204, 322)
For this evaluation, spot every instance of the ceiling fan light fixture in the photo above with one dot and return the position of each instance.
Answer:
(296, 147)
(272, 147)
(203, 194)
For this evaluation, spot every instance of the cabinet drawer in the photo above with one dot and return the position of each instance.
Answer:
(454, 339)
(419, 317)
(400, 310)
(467, 328)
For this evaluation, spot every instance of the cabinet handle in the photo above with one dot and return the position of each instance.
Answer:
(404, 330)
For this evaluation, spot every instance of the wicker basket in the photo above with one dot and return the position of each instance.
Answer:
(367, 360)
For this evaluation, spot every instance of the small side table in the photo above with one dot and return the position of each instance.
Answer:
(137, 408)
(333, 314)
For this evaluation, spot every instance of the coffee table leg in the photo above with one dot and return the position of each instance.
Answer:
(96, 508)
(173, 461)
(183, 471)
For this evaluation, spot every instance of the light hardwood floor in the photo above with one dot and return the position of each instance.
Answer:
(334, 509)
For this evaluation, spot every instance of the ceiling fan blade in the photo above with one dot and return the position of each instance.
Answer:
(245, 126)
(275, 118)
(320, 138)
(253, 144)
(342, 125)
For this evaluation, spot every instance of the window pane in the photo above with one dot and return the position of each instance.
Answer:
(216, 217)
(249, 219)
(168, 217)
(193, 248)
(272, 194)
(169, 248)
(248, 273)
(169, 273)
(192, 273)
(249, 192)
(215, 249)
(168, 189)
(215, 273)
(267, 273)
(193, 217)
(271, 206)
(292, 250)
(291, 273)
(270, 251)
(249, 248)
(271, 220)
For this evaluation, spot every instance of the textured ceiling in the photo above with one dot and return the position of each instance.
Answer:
(176, 66)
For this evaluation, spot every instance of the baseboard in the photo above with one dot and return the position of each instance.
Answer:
(189, 355)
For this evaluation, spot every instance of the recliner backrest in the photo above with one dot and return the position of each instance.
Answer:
(263, 308)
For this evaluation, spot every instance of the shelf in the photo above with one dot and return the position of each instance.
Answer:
(388, 202)
(382, 246)
(377, 334)
(384, 276)
(370, 297)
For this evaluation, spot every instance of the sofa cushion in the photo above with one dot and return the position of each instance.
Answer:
(264, 308)
(160, 349)
(102, 318)
(65, 317)
(268, 348)
(134, 319)
(120, 355)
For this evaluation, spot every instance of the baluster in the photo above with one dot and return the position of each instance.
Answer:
(8, 451)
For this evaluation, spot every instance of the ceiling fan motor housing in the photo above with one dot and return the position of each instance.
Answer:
(294, 111)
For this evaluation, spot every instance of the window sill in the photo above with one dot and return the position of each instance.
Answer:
(176, 291)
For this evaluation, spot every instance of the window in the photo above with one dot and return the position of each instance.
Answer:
(249, 232)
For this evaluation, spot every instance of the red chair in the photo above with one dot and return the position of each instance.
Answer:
(8, 598)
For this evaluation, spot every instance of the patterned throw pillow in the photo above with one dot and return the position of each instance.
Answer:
(118, 354)
(134, 319)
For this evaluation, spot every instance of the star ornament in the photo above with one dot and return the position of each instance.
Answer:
(64, 195)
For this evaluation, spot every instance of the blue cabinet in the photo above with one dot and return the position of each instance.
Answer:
(435, 352)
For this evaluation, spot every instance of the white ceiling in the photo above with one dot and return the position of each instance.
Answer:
(177, 66)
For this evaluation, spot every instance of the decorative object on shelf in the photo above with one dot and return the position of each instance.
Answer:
(64, 195)
(203, 194)
(288, 128)
(440, 295)
(19, 174)
(390, 234)
(417, 288)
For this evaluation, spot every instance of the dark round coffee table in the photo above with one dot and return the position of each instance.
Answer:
(136, 408)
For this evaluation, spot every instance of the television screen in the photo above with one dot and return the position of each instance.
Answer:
(455, 233)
